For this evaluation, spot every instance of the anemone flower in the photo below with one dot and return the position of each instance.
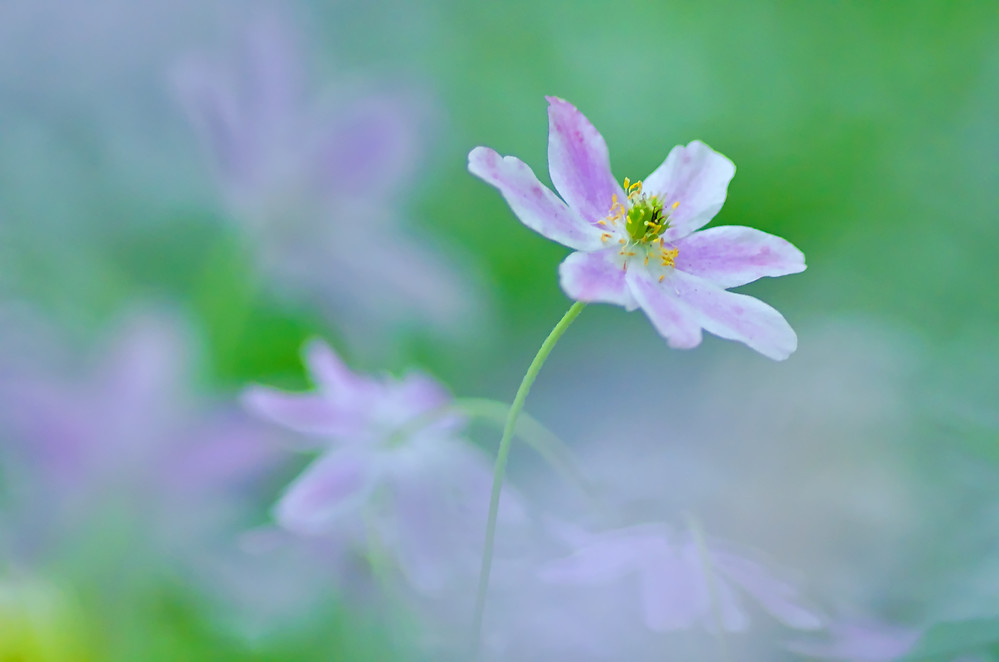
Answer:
(392, 477)
(637, 244)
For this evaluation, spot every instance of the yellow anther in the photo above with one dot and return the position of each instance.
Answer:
(622, 242)
(669, 256)
(676, 204)
(601, 222)
(605, 236)
(662, 277)
(627, 184)
(646, 260)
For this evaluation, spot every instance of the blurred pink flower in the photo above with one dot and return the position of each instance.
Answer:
(319, 185)
(636, 245)
(679, 589)
(386, 480)
(124, 445)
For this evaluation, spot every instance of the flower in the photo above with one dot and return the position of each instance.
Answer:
(119, 451)
(681, 584)
(636, 244)
(316, 182)
(392, 474)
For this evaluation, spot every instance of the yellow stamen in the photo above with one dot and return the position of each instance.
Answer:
(676, 204)
(662, 277)
(622, 242)
(605, 236)
(669, 256)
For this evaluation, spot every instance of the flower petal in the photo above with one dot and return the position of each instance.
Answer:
(779, 598)
(596, 277)
(733, 255)
(695, 176)
(437, 492)
(333, 487)
(326, 368)
(673, 594)
(579, 163)
(606, 560)
(533, 203)
(682, 304)
(671, 317)
(308, 413)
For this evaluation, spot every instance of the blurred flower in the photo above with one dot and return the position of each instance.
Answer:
(830, 428)
(860, 642)
(681, 584)
(320, 185)
(122, 457)
(636, 246)
(392, 476)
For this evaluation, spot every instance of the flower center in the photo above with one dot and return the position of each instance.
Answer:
(645, 218)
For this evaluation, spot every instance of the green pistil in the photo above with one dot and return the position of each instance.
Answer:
(646, 220)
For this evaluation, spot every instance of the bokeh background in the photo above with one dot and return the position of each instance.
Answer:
(191, 190)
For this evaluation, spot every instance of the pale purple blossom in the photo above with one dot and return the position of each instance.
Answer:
(318, 181)
(392, 476)
(118, 447)
(680, 585)
(637, 246)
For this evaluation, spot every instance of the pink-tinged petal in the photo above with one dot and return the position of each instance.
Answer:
(733, 255)
(682, 302)
(533, 203)
(697, 178)
(579, 163)
(369, 147)
(673, 594)
(717, 602)
(596, 277)
(308, 413)
(671, 317)
(274, 75)
(599, 563)
(419, 393)
(779, 598)
(332, 489)
(327, 369)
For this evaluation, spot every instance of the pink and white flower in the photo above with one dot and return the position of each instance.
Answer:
(681, 583)
(392, 476)
(637, 244)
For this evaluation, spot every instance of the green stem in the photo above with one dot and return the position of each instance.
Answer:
(501, 458)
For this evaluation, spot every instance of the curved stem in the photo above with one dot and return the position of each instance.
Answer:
(501, 458)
